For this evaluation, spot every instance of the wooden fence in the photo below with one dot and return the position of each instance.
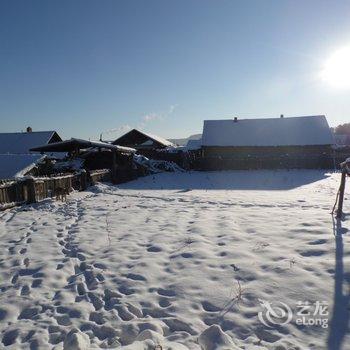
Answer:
(32, 190)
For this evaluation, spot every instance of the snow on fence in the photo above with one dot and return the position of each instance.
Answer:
(31, 189)
(99, 176)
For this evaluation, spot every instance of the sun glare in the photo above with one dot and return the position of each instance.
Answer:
(336, 70)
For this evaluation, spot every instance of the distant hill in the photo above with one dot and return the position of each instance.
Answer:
(183, 142)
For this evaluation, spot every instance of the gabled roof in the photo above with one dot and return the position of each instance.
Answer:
(193, 145)
(122, 140)
(294, 131)
(159, 139)
(22, 142)
(16, 165)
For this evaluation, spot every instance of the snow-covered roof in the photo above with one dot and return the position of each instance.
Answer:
(17, 165)
(183, 141)
(293, 131)
(158, 139)
(194, 144)
(21, 142)
(100, 144)
(73, 143)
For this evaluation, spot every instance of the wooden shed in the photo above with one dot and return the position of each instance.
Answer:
(96, 155)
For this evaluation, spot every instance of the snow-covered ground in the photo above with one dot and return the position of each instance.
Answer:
(180, 260)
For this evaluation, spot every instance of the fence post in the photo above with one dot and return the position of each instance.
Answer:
(83, 182)
(30, 183)
(114, 167)
(341, 194)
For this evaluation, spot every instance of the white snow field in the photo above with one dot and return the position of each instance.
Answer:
(178, 261)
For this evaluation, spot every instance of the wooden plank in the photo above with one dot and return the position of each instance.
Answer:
(341, 194)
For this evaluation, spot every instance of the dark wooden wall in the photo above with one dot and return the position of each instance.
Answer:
(234, 152)
(283, 157)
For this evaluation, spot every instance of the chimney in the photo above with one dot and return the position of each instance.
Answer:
(281, 116)
(235, 119)
(29, 129)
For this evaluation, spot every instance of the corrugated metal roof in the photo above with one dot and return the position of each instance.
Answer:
(293, 131)
(22, 142)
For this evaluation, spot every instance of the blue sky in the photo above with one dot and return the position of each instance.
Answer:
(85, 67)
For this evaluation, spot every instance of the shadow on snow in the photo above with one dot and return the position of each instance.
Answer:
(340, 315)
(265, 180)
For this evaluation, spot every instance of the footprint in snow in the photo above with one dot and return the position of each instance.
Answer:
(135, 277)
(311, 253)
(209, 307)
(10, 337)
(154, 249)
(166, 292)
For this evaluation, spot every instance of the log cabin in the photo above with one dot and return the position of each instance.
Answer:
(294, 142)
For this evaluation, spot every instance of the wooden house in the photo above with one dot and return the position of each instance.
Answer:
(16, 159)
(296, 142)
(22, 142)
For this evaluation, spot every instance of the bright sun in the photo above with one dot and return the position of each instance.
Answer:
(336, 70)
